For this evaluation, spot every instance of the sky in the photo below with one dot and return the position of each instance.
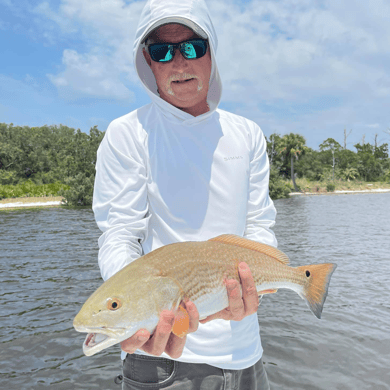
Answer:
(313, 67)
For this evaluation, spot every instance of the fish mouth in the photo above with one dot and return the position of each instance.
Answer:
(95, 342)
(98, 339)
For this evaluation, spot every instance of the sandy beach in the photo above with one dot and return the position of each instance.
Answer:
(341, 192)
(15, 203)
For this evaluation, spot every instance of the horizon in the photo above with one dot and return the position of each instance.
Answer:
(316, 70)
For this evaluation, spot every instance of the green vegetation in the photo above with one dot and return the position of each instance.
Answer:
(29, 188)
(330, 187)
(60, 161)
(48, 161)
(330, 168)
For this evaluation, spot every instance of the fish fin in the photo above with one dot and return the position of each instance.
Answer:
(253, 245)
(269, 291)
(182, 323)
(315, 289)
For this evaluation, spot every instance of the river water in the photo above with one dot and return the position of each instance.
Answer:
(48, 268)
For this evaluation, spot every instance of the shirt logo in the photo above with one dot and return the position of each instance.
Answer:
(233, 158)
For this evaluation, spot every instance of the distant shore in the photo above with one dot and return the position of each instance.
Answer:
(341, 192)
(43, 201)
(56, 201)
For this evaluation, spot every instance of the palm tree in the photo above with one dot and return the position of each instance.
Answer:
(293, 146)
(349, 173)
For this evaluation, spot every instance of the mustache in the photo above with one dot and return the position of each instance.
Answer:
(181, 77)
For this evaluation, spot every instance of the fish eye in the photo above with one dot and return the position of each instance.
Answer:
(113, 304)
(307, 273)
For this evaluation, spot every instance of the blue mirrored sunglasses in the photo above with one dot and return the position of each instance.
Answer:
(191, 50)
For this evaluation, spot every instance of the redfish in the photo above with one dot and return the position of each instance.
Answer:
(134, 297)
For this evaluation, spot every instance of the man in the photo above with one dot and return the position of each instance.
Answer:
(180, 169)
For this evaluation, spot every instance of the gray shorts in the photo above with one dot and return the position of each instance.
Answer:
(146, 372)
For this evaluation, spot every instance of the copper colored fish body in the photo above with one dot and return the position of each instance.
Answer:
(134, 297)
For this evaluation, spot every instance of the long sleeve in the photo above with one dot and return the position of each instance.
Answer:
(120, 199)
(261, 212)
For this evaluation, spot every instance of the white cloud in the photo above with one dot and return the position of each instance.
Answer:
(66, 24)
(90, 74)
(289, 64)
(298, 65)
(298, 47)
(107, 29)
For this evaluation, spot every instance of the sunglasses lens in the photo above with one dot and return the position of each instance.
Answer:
(194, 49)
(161, 52)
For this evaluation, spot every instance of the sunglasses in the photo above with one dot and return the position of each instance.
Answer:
(190, 50)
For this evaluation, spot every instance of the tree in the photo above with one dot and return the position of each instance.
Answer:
(331, 146)
(48, 154)
(293, 146)
(273, 148)
(370, 166)
(345, 137)
(309, 165)
(349, 173)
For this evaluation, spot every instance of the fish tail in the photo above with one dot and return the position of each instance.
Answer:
(315, 289)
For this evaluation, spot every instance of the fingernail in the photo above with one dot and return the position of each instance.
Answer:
(243, 267)
(142, 338)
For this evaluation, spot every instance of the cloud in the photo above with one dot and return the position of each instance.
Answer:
(299, 46)
(303, 66)
(107, 29)
(89, 74)
(290, 50)
(288, 64)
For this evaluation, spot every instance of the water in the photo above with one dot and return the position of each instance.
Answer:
(48, 267)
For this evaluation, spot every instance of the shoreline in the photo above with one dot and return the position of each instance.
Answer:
(30, 202)
(18, 203)
(342, 192)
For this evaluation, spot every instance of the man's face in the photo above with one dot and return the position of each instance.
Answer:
(171, 76)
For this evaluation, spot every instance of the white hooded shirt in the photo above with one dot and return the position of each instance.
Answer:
(165, 176)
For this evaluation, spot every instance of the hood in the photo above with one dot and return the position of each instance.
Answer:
(196, 12)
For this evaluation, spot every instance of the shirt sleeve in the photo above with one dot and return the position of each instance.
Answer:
(120, 200)
(261, 212)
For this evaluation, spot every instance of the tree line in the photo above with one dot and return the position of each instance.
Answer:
(290, 157)
(63, 159)
(49, 154)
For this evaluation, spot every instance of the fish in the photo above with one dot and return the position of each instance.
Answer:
(163, 279)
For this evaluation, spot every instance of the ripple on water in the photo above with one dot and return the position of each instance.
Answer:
(49, 267)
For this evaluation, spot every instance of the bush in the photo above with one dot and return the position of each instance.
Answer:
(330, 187)
(278, 188)
(80, 190)
(28, 189)
(8, 177)
(9, 191)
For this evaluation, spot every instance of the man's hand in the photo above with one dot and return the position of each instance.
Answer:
(239, 306)
(163, 340)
